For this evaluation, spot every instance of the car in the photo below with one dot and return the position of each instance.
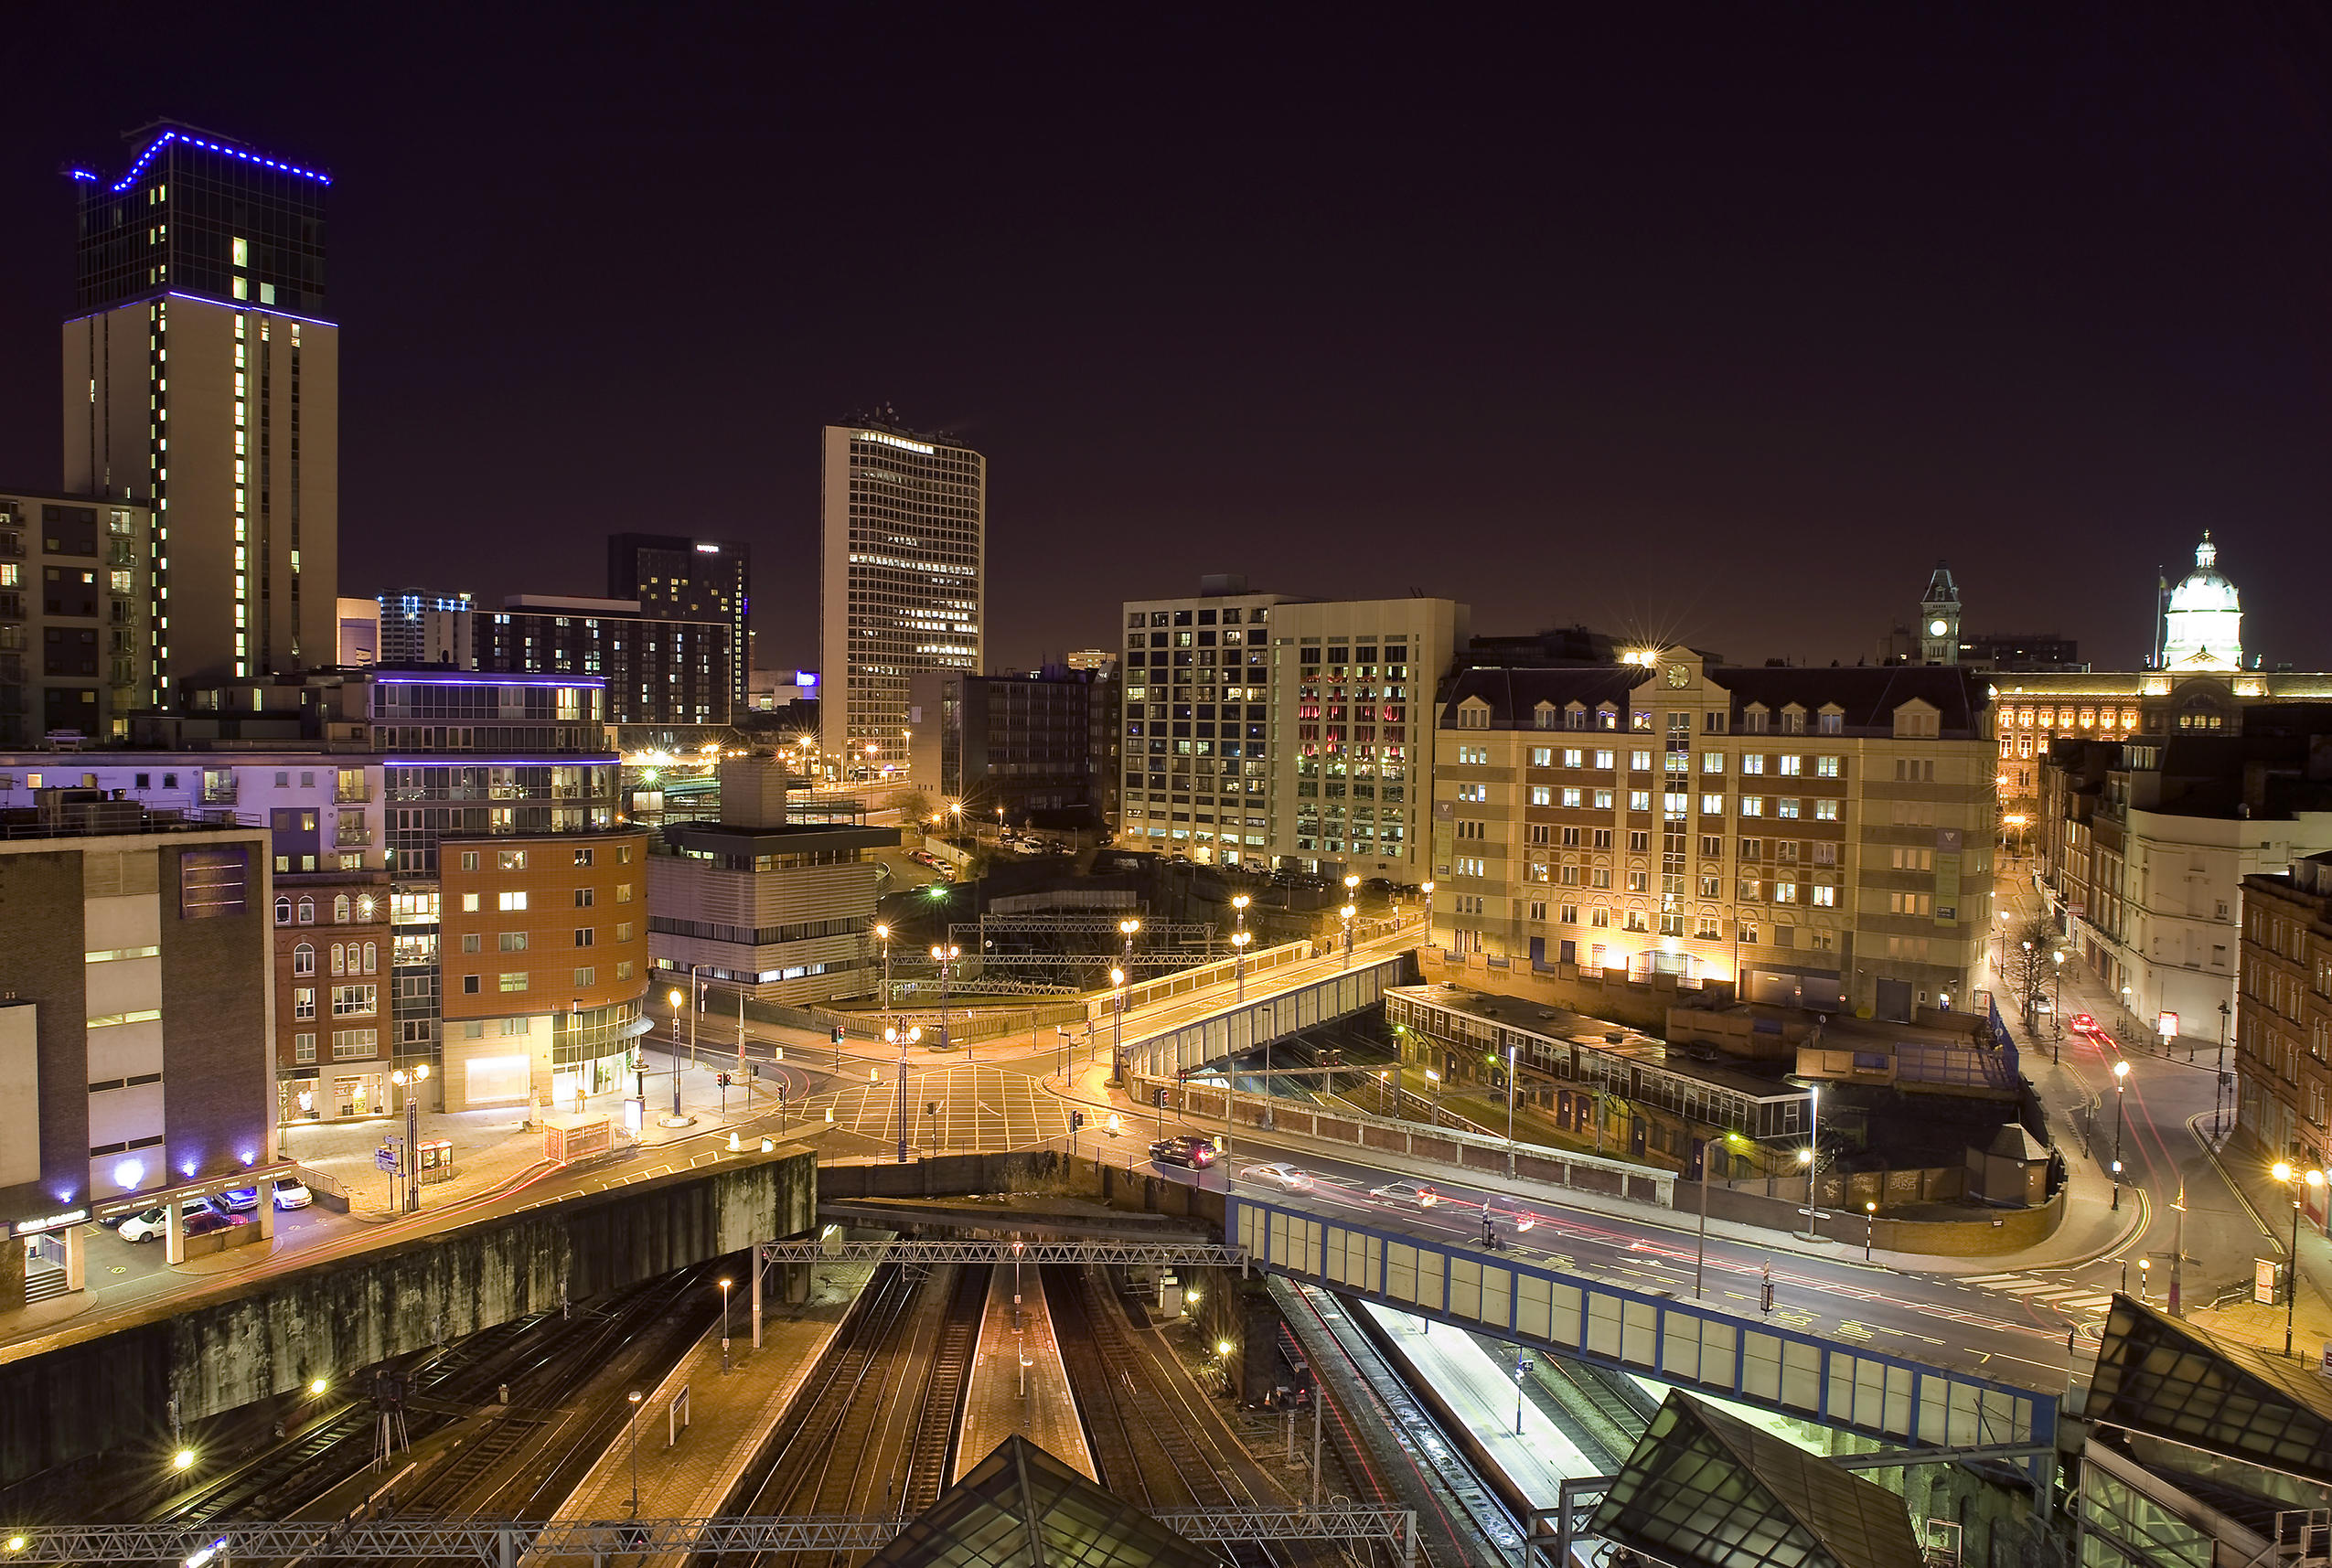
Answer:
(2084, 1024)
(1279, 1173)
(147, 1226)
(1408, 1192)
(289, 1194)
(210, 1219)
(239, 1199)
(1194, 1152)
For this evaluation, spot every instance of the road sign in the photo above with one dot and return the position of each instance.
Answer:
(1527, 1363)
(385, 1159)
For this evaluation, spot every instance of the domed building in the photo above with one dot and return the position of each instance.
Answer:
(2202, 628)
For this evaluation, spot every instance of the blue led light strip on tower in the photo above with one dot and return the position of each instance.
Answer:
(169, 136)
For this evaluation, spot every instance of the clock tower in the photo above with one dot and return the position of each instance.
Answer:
(1939, 618)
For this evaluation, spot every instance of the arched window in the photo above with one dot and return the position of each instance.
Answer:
(371, 958)
(307, 911)
(339, 960)
(340, 909)
(282, 911)
(304, 959)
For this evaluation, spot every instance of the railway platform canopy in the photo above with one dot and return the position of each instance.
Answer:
(1021, 1508)
(1705, 1490)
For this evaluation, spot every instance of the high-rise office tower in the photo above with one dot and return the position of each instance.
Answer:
(675, 578)
(905, 573)
(203, 378)
(426, 625)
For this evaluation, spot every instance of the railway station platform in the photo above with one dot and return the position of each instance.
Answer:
(1481, 1394)
(1019, 1386)
(690, 1459)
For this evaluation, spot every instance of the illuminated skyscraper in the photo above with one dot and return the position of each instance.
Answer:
(204, 380)
(904, 575)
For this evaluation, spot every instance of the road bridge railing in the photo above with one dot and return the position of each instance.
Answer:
(1685, 1343)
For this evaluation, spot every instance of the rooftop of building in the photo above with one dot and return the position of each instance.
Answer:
(2162, 1377)
(883, 420)
(793, 838)
(1865, 697)
(75, 497)
(91, 813)
(1534, 1017)
(2309, 877)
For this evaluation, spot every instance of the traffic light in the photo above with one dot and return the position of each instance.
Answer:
(838, 1034)
(781, 1094)
(1161, 1096)
(724, 1081)
(1077, 1120)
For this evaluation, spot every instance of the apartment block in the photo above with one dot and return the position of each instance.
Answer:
(2283, 1056)
(203, 381)
(1821, 837)
(544, 947)
(1021, 743)
(677, 577)
(133, 1029)
(357, 778)
(75, 628)
(659, 670)
(1261, 728)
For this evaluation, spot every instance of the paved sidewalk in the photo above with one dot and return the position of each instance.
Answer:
(729, 1414)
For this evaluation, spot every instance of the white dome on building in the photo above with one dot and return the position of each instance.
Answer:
(2203, 627)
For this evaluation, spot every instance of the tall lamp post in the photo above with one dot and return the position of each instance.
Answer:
(633, 1422)
(1511, 1064)
(2027, 979)
(2057, 1008)
(1118, 976)
(883, 935)
(902, 1037)
(1352, 906)
(1238, 948)
(1811, 1157)
(725, 1324)
(674, 996)
(1239, 940)
(2121, 1081)
(2218, 1080)
(1347, 911)
(1427, 890)
(411, 1082)
(945, 954)
(2299, 1181)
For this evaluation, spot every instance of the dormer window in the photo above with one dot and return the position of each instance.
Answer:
(1543, 716)
(1753, 719)
(1793, 720)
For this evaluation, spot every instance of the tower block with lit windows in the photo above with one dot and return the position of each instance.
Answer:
(203, 380)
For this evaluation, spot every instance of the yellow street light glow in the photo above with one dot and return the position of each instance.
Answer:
(883, 932)
(673, 995)
(1116, 977)
(1353, 881)
(2121, 1070)
(183, 1459)
(1805, 1157)
(315, 1385)
(15, 1543)
(1222, 1348)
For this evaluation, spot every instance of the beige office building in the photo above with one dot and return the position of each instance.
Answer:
(902, 580)
(1262, 728)
(1823, 835)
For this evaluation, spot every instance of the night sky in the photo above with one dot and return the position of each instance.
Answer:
(1714, 325)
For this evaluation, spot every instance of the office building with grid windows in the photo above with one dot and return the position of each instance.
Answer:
(1820, 837)
(75, 650)
(903, 583)
(202, 380)
(1266, 730)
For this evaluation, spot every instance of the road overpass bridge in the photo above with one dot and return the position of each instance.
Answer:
(1250, 1026)
(1937, 1402)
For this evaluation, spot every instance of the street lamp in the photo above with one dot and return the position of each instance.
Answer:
(674, 996)
(725, 1324)
(1869, 1225)
(1512, 1054)
(2120, 1082)
(2056, 1006)
(410, 1082)
(902, 1038)
(1347, 911)
(883, 935)
(1127, 928)
(1239, 940)
(945, 954)
(2027, 978)
(2300, 1180)
(633, 1420)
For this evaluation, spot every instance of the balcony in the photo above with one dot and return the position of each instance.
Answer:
(349, 835)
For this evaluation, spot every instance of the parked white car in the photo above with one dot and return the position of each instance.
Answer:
(291, 1194)
(144, 1227)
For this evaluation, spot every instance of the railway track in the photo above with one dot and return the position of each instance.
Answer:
(1148, 1442)
(940, 1419)
(539, 1358)
(854, 1439)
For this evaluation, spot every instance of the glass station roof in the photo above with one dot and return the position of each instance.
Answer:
(1704, 1490)
(2168, 1379)
(1021, 1508)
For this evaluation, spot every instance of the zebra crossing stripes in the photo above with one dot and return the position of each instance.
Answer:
(2080, 1299)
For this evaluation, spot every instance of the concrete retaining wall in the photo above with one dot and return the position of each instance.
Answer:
(1031, 1170)
(101, 1390)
